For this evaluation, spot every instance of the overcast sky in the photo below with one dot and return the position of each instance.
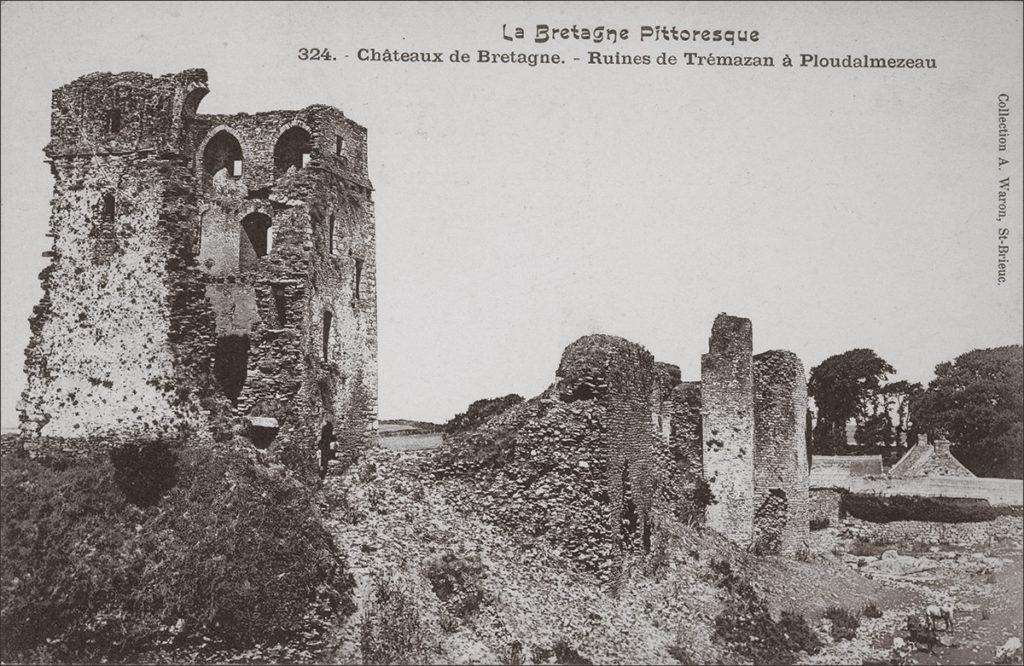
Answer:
(519, 208)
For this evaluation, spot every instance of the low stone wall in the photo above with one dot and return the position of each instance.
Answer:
(952, 534)
(998, 492)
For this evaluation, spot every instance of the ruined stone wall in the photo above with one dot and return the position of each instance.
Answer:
(727, 412)
(686, 448)
(196, 262)
(579, 465)
(312, 344)
(106, 310)
(108, 354)
(825, 505)
(780, 452)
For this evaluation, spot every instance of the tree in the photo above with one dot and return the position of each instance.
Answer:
(841, 386)
(977, 400)
(887, 413)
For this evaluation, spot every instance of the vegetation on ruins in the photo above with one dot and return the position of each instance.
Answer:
(844, 623)
(842, 385)
(977, 400)
(479, 411)
(457, 582)
(392, 629)
(104, 559)
(746, 623)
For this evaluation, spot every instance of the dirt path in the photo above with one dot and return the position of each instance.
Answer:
(988, 611)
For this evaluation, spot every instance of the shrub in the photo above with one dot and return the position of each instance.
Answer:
(799, 634)
(871, 610)
(747, 625)
(567, 654)
(368, 472)
(693, 511)
(844, 623)
(391, 630)
(682, 654)
(236, 552)
(457, 581)
(480, 411)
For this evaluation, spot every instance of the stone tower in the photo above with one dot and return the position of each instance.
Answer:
(203, 264)
(780, 456)
(727, 414)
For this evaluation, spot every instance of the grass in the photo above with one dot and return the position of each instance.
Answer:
(844, 623)
(155, 547)
(871, 610)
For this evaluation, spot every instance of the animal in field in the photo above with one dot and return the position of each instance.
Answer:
(935, 612)
(922, 633)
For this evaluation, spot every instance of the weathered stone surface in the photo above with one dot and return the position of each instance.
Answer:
(727, 410)
(780, 452)
(203, 265)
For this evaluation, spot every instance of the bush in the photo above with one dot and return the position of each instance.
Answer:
(368, 472)
(480, 411)
(236, 552)
(844, 623)
(747, 625)
(682, 654)
(391, 630)
(457, 581)
(567, 654)
(871, 610)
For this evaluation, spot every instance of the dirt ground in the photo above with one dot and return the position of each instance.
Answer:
(983, 584)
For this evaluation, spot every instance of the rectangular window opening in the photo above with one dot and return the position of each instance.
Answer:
(359, 276)
(236, 168)
(339, 145)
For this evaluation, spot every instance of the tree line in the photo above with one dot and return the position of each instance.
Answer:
(976, 401)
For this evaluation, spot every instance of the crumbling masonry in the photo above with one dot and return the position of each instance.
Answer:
(619, 443)
(203, 264)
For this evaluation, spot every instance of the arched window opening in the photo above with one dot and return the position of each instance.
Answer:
(327, 336)
(114, 121)
(253, 240)
(223, 153)
(293, 149)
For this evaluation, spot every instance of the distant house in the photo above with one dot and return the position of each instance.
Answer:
(928, 459)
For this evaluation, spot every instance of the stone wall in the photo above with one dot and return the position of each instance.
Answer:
(686, 450)
(620, 376)
(780, 452)
(824, 505)
(581, 464)
(727, 410)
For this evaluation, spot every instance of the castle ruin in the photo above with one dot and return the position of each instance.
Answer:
(203, 264)
(619, 443)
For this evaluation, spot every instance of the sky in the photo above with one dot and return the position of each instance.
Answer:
(520, 208)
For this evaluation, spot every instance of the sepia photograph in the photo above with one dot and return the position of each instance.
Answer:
(512, 333)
